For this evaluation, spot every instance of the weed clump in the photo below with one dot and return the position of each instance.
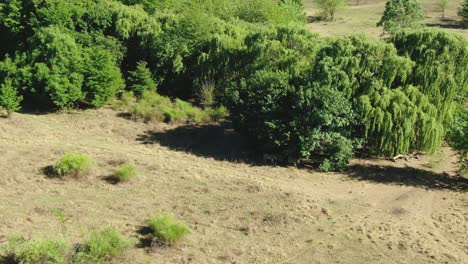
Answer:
(125, 173)
(166, 230)
(73, 164)
(39, 250)
(102, 246)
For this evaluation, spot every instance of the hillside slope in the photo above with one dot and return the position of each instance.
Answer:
(377, 212)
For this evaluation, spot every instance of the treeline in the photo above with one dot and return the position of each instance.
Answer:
(291, 92)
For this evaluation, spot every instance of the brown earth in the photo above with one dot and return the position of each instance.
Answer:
(238, 211)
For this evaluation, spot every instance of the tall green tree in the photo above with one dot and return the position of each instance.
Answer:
(463, 12)
(401, 14)
(330, 7)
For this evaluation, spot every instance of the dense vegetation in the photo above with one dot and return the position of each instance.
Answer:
(292, 93)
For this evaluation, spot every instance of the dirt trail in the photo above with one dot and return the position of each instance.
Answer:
(239, 212)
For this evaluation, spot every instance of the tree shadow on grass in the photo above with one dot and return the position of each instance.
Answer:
(451, 24)
(408, 176)
(8, 259)
(218, 141)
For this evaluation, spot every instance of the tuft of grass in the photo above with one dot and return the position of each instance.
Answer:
(165, 229)
(102, 246)
(39, 250)
(74, 164)
(125, 173)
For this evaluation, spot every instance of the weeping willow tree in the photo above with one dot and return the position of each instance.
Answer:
(395, 117)
(441, 69)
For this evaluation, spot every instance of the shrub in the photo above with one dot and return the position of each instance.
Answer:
(39, 250)
(458, 137)
(125, 173)
(102, 246)
(9, 98)
(74, 164)
(401, 14)
(165, 229)
(217, 113)
(206, 93)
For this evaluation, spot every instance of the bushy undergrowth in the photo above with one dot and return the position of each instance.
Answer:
(39, 250)
(101, 245)
(125, 173)
(165, 229)
(292, 93)
(154, 107)
(73, 164)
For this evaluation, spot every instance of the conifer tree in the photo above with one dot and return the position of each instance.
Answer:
(401, 14)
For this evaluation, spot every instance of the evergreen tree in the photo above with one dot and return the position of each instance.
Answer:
(463, 12)
(401, 14)
(141, 79)
(9, 98)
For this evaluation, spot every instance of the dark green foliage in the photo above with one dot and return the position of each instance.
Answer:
(141, 79)
(9, 98)
(458, 137)
(102, 77)
(401, 14)
(463, 12)
(100, 246)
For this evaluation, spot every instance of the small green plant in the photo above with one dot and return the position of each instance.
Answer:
(165, 229)
(101, 246)
(9, 98)
(218, 113)
(74, 164)
(39, 250)
(125, 173)
(206, 93)
(325, 166)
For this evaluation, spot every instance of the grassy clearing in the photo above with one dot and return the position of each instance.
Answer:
(362, 18)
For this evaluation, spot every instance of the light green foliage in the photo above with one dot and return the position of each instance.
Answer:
(442, 4)
(74, 164)
(9, 98)
(441, 67)
(39, 250)
(329, 7)
(165, 229)
(154, 107)
(141, 79)
(401, 14)
(101, 246)
(125, 172)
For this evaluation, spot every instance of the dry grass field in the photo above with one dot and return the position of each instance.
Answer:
(413, 211)
(362, 18)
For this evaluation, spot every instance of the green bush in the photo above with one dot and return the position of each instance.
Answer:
(125, 173)
(101, 246)
(9, 98)
(39, 250)
(401, 14)
(165, 229)
(73, 164)
(463, 12)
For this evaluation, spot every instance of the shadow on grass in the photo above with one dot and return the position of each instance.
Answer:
(49, 172)
(408, 176)
(220, 142)
(449, 24)
(146, 240)
(9, 259)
